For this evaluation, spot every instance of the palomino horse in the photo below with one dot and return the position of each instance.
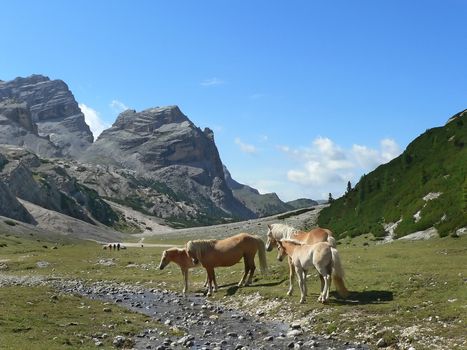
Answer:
(182, 259)
(227, 252)
(277, 232)
(321, 255)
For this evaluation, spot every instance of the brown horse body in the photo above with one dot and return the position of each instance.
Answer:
(227, 252)
(182, 259)
(276, 232)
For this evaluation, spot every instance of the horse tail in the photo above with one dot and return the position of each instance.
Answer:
(332, 241)
(338, 274)
(263, 265)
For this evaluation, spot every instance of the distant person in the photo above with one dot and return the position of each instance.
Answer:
(118, 246)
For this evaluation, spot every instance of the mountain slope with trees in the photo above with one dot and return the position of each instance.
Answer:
(424, 187)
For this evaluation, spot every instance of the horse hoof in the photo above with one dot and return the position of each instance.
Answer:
(302, 301)
(289, 293)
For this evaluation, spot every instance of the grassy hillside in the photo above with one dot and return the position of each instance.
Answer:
(435, 162)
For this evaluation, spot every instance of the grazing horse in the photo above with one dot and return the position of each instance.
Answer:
(182, 259)
(321, 255)
(277, 232)
(227, 252)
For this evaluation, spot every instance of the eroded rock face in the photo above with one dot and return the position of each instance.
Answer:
(11, 207)
(164, 145)
(17, 128)
(54, 111)
(47, 184)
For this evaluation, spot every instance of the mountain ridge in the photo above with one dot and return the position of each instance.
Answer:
(155, 161)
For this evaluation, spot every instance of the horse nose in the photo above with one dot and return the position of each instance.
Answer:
(161, 267)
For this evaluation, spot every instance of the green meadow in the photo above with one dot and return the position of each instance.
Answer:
(408, 293)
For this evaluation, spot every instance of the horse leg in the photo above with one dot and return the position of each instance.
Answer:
(185, 279)
(250, 264)
(323, 285)
(304, 282)
(245, 273)
(327, 287)
(325, 291)
(214, 281)
(291, 275)
(252, 271)
(210, 272)
(299, 273)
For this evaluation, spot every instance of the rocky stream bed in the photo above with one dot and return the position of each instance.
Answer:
(198, 322)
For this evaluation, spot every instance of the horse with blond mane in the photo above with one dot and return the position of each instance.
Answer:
(227, 252)
(276, 232)
(322, 256)
(182, 259)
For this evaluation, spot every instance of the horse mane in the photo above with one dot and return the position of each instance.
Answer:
(200, 246)
(293, 241)
(280, 231)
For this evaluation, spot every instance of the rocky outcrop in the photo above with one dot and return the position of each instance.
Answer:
(17, 128)
(163, 145)
(47, 184)
(11, 207)
(9, 204)
(53, 110)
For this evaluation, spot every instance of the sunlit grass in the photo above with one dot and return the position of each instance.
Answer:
(394, 286)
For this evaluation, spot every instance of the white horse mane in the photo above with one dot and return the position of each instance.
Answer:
(280, 231)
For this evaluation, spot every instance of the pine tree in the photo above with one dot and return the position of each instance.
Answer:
(330, 199)
(349, 187)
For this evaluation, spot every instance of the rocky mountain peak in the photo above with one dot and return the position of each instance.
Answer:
(53, 109)
(209, 133)
(150, 119)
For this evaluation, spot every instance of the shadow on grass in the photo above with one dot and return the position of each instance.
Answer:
(233, 287)
(365, 297)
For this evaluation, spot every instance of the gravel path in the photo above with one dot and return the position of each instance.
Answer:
(203, 324)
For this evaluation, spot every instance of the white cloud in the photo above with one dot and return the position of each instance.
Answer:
(212, 82)
(118, 106)
(390, 150)
(370, 158)
(246, 148)
(326, 167)
(93, 119)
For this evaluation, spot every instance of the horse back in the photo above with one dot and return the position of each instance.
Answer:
(229, 251)
(313, 236)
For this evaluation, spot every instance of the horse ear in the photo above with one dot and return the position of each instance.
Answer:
(269, 226)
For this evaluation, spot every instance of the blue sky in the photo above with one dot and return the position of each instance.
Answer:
(303, 96)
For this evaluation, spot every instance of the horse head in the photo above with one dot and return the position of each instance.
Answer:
(281, 253)
(271, 240)
(164, 260)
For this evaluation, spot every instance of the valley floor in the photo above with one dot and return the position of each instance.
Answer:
(60, 294)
